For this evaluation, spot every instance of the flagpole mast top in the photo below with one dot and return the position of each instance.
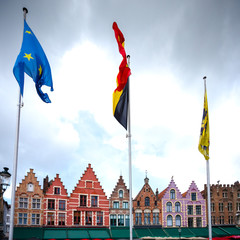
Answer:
(204, 78)
(25, 11)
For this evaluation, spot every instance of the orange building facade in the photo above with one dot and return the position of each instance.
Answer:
(29, 202)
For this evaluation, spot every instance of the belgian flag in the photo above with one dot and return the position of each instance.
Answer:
(121, 93)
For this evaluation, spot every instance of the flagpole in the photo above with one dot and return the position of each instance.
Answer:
(129, 156)
(15, 163)
(208, 187)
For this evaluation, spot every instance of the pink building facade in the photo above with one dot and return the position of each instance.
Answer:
(182, 210)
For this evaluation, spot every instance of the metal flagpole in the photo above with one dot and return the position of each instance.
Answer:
(14, 175)
(208, 187)
(129, 156)
(209, 203)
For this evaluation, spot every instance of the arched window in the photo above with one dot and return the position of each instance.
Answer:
(178, 221)
(169, 207)
(177, 207)
(121, 193)
(147, 201)
(169, 221)
(172, 194)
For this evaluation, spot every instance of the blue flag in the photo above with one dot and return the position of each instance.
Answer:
(33, 61)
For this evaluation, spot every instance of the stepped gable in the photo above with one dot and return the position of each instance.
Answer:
(29, 178)
(120, 185)
(166, 192)
(88, 182)
(56, 183)
(193, 188)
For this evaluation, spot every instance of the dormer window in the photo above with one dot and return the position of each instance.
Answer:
(57, 190)
(30, 187)
(121, 193)
(172, 194)
(147, 201)
(193, 196)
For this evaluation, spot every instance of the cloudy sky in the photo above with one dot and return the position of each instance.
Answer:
(173, 45)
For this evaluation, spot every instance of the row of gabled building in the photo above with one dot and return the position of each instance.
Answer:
(88, 205)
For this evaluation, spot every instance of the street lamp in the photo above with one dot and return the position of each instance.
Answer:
(179, 232)
(4, 180)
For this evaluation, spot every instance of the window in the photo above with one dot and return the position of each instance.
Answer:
(238, 194)
(50, 218)
(88, 218)
(147, 218)
(99, 218)
(62, 205)
(127, 220)
(22, 218)
(138, 203)
(120, 220)
(61, 219)
(212, 207)
(169, 207)
(113, 220)
(238, 206)
(169, 221)
(178, 221)
(36, 202)
(115, 204)
(51, 204)
(155, 203)
(172, 194)
(35, 219)
(125, 205)
(190, 222)
(193, 196)
(83, 200)
(138, 218)
(213, 220)
(190, 209)
(77, 217)
(94, 201)
(220, 206)
(221, 219)
(147, 201)
(230, 207)
(224, 194)
(199, 222)
(230, 219)
(198, 210)
(155, 218)
(121, 193)
(177, 207)
(57, 190)
(30, 187)
(23, 202)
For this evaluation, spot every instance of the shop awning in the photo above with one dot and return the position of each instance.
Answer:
(55, 233)
(27, 233)
(99, 233)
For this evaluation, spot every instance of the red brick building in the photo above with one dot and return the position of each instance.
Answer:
(29, 202)
(119, 204)
(146, 206)
(88, 203)
(55, 202)
(225, 203)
